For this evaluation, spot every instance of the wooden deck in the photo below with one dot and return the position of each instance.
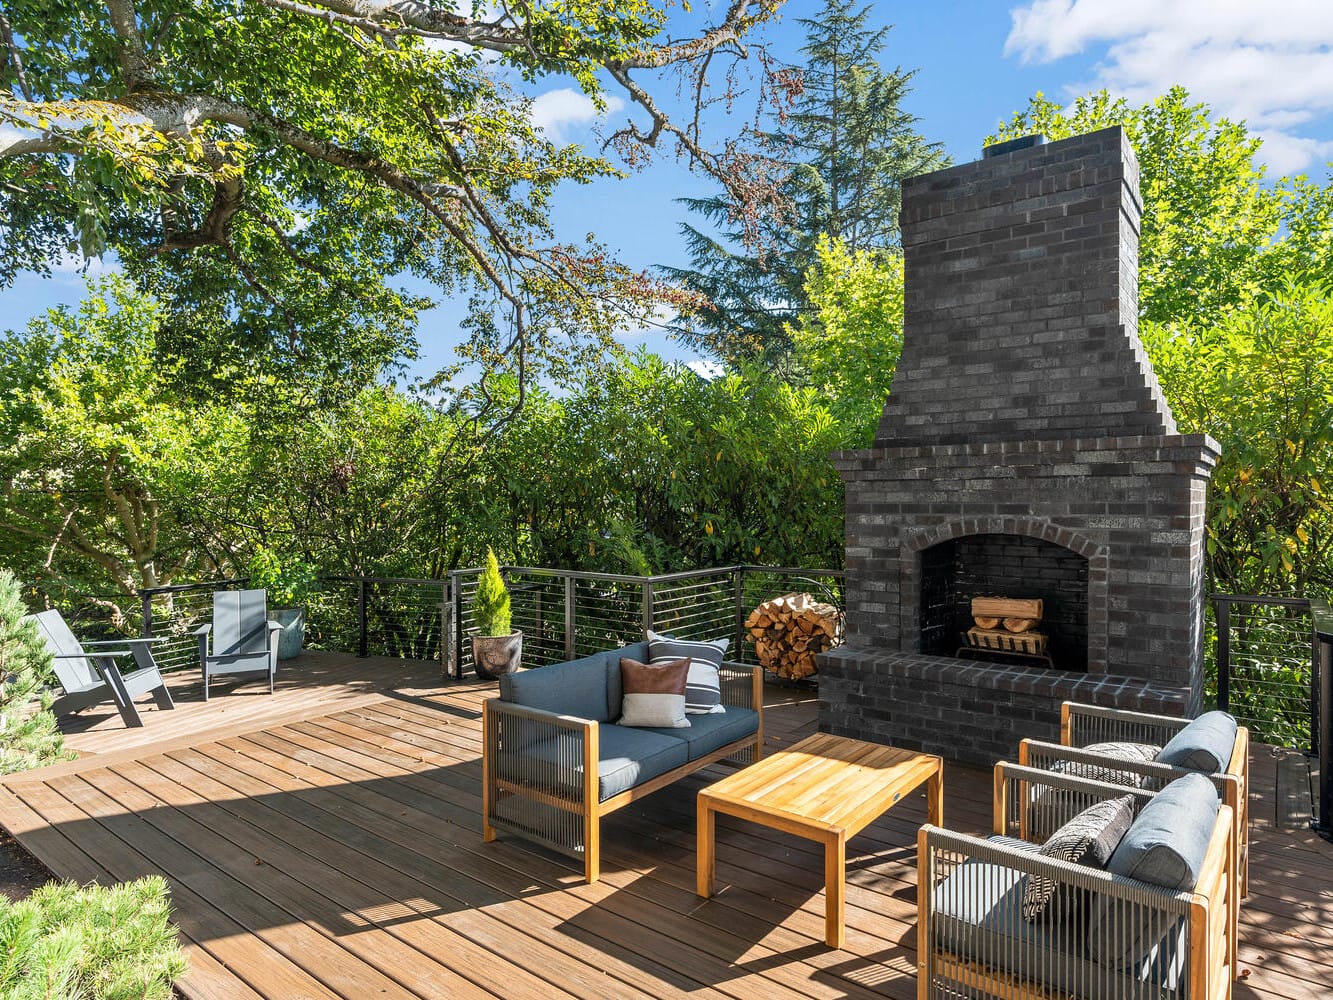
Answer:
(326, 842)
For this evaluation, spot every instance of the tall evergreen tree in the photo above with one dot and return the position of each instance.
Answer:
(845, 148)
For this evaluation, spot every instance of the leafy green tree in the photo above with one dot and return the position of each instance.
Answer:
(106, 474)
(651, 468)
(1260, 381)
(28, 734)
(847, 346)
(266, 168)
(846, 146)
(1210, 223)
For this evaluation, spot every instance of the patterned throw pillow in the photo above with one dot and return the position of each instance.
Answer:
(654, 694)
(1142, 753)
(703, 690)
(1090, 838)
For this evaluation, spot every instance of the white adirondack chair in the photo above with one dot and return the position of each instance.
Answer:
(88, 673)
(245, 642)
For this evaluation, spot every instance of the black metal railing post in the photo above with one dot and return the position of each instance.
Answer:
(446, 629)
(456, 589)
(1223, 654)
(570, 621)
(647, 605)
(738, 590)
(147, 629)
(1323, 632)
(362, 631)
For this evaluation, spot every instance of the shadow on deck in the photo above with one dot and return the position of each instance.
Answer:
(325, 842)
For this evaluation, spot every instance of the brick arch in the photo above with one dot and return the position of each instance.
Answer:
(1097, 556)
(1031, 527)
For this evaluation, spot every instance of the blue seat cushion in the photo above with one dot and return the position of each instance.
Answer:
(626, 757)
(1204, 745)
(576, 687)
(707, 733)
(978, 914)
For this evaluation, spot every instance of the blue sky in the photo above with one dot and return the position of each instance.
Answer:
(976, 63)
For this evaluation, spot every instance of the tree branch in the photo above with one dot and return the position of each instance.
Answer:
(133, 57)
(15, 57)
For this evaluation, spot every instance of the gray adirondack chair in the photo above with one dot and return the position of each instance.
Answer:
(88, 673)
(245, 642)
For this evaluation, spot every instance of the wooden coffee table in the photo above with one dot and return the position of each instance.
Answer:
(824, 788)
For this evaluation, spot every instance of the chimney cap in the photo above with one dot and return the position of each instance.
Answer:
(1013, 145)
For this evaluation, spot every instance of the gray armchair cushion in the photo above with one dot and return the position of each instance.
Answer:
(978, 912)
(1204, 745)
(1164, 846)
(708, 732)
(626, 757)
(576, 688)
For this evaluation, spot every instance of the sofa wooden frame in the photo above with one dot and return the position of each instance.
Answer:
(1207, 909)
(742, 687)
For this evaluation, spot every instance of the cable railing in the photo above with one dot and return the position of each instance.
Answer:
(563, 614)
(1262, 667)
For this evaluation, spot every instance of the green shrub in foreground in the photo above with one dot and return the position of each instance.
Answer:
(28, 734)
(69, 943)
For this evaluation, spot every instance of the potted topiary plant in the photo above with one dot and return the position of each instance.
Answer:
(288, 581)
(495, 649)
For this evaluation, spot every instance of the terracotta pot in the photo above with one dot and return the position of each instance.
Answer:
(494, 655)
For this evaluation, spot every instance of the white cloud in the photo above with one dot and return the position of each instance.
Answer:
(1269, 64)
(564, 108)
(652, 325)
(707, 370)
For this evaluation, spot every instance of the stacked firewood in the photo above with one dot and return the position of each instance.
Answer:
(789, 631)
(1007, 623)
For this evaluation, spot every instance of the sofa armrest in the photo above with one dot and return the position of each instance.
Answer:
(1082, 724)
(551, 798)
(742, 685)
(563, 776)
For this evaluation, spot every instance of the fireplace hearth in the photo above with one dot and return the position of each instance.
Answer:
(1025, 450)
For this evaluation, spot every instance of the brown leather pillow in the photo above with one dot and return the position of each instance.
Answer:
(654, 693)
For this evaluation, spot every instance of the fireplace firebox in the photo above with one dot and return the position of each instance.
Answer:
(956, 571)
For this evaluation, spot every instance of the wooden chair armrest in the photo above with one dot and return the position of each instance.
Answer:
(1114, 724)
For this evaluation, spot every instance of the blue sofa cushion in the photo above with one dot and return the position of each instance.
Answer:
(708, 732)
(1164, 846)
(978, 912)
(626, 757)
(1204, 745)
(577, 687)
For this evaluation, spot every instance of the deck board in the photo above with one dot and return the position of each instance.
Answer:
(325, 842)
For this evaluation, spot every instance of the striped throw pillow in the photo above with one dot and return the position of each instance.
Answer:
(654, 694)
(1090, 838)
(703, 691)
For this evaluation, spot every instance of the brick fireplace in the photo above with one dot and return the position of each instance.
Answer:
(1025, 450)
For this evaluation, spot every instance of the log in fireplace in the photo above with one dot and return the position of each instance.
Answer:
(1025, 450)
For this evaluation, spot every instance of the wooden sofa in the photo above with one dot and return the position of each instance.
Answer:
(554, 761)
